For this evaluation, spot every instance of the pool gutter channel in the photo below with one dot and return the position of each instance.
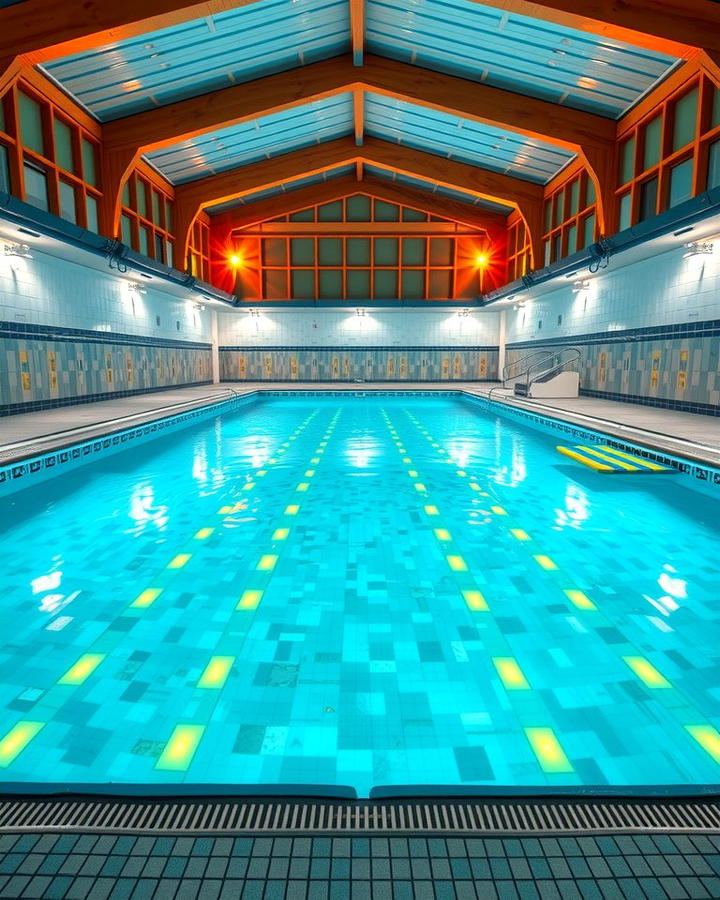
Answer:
(558, 814)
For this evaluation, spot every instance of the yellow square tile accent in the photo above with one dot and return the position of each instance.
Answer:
(146, 598)
(181, 747)
(225, 510)
(412, 473)
(260, 473)
(250, 600)
(708, 738)
(419, 486)
(432, 510)
(315, 460)
(309, 473)
(442, 534)
(546, 747)
(179, 561)
(320, 450)
(646, 672)
(280, 534)
(407, 460)
(510, 673)
(303, 486)
(216, 672)
(475, 601)
(203, 534)
(580, 599)
(82, 669)
(520, 534)
(267, 562)
(272, 461)
(474, 486)
(498, 510)
(545, 562)
(457, 563)
(16, 740)
(292, 510)
(462, 474)
(249, 486)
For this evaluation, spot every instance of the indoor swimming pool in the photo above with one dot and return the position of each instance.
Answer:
(362, 591)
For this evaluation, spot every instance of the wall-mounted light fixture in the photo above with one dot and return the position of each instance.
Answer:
(254, 312)
(464, 312)
(21, 250)
(136, 288)
(580, 286)
(698, 248)
(359, 311)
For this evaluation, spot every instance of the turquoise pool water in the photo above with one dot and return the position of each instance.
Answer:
(359, 591)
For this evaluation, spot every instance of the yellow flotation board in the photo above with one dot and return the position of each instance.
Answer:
(606, 459)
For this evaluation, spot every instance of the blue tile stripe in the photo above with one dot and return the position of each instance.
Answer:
(355, 349)
(705, 409)
(24, 331)
(709, 328)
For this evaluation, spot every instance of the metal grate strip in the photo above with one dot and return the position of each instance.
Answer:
(502, 816)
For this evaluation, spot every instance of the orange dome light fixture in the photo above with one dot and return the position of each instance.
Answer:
(481, 260)
(236, 261)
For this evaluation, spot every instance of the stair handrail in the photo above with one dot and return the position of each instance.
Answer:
(559, 366)
(523, 359)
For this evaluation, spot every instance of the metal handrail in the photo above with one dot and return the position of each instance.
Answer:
(561, 363)
(506, 373)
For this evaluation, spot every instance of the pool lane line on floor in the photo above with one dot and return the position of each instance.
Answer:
(527, 706)
(185, 738)
(19, 736)
(697, 725)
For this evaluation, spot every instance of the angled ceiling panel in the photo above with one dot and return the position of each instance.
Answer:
(248, 142)
(204, 54)
(516, 52)
(461, 139)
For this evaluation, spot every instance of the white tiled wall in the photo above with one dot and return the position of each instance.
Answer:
(45, 290)
(665, 290)
(340, 328)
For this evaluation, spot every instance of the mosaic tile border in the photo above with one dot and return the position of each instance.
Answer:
(18, 475)
(15, 476)
(705, 409)
(29, 332)
(706, 328)
(709, 475)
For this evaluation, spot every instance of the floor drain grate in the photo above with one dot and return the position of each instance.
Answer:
(512, 816)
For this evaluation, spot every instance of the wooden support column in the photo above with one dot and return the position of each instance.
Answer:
(116, 167)
(357, 30)
(531, 212)
(601, 165)
(359, 116)
(10, 68)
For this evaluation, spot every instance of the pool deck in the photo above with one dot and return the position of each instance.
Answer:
(694, 436)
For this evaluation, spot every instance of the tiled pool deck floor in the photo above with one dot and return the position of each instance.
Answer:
(85, 866)
(683, 433)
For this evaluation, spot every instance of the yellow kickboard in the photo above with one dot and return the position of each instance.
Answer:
(603, 458)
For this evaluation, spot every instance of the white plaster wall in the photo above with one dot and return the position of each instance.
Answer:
(45, 290)
(664, 290)
(342, 328)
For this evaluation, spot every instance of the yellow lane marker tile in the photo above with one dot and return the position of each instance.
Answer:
(322, 444)
(510, 673)
(16, 740)
(250, 600)
(432, 510)
(474, 486)
(280, 534)
(249, 486)
(442, 534)
(460, 471)
(146, 598)
(546, 747)
(457, 563)
(407, 460)
(519, 534)
(203, 534)
(320, 450)
(216, 672)
(293, 437)
(82, 669)
(225, 510)
(315, 460)
(309, 473)
(267, 562)
(708, 738)
(646, 672)
(580, 599)
(292, 510)
(412, 473)
(498, 510)
(181, 747)
(475, 601)
(272, 461)
(419, 486)
(303, 486)
(179, 561)
(261, 472)
(544, 562)
(285, 444)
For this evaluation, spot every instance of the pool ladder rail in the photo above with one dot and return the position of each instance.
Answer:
(610, 461)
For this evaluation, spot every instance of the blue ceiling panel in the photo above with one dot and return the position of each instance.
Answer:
(517, 52)
(248, 142)
(431, 188)
(462, 139)
(283, 189)
(204, 54)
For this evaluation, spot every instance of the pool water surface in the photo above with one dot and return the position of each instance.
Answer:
(359, 591)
